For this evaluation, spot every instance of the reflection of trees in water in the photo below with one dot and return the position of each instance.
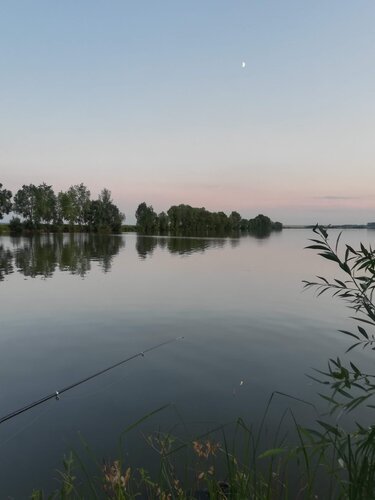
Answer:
(41, 255)
(145, 245)
(260, 234)
(190, 245)
(234, 242)
(80, 249)
(183, 246)
(6, 262)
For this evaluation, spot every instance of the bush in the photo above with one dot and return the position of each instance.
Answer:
(15, 225)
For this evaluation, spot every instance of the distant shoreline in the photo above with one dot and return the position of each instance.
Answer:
(329, 226)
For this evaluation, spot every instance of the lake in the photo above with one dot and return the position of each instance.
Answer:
(74, 304)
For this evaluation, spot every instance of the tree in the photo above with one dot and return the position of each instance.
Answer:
(73, 205)
(5, 201)
(147, 220)
(35, 203)
(235, 221)
(261, 223)
(220, 222)
(65, 208)
(163, 222)
(15, 225)
(45, 203)
(82, 198)
(103, 216)
(244, 225)
(25, 203)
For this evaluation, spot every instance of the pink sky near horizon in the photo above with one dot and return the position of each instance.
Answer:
(293, 205)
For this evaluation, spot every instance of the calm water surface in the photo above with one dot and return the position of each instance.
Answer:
(72, 305)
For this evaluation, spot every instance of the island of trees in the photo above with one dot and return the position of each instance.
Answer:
(39, 208)
(187, 220)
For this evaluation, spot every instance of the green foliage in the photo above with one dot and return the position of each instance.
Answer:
(261, 223)
(187, 220)
(235, 221)
(25, 204)
(147, 220)
(41, 209)
(103, 216)
(15, 225)
(45, 204)
(357, 285)
(163, 222)
(244, 225)
(37, 204)
(349, 387)
(215, 465)
(73, 205)
(5, 201)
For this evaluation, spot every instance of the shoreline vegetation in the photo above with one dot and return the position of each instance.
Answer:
(38, 209)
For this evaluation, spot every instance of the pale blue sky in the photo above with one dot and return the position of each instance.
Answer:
(150, 100)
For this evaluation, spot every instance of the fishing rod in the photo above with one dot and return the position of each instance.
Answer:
(56, 395)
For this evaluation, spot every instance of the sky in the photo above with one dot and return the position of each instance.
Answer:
(151, 100)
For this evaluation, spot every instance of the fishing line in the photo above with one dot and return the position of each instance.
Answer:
(56, 394)
(97, 391)
(26, 426)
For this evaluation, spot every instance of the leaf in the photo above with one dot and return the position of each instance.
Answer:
(353, 404)
(344, 393)
(329, 256)
(355, 369)
(351, 249)
(319, 242)
(363, 331)
(341, 283)
(272, 452)
(363, 320)
(353, 346)
(324, 382)
(349, 333)
(329, 428)
(344, 266)
(316, 247)
(327, 398)
(337, 241)
(364, 249)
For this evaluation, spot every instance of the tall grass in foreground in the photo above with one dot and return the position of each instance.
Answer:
(226, 462)
(229, 462)
(327, 461)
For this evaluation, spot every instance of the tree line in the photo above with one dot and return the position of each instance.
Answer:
(184, 220)
(39, 207)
